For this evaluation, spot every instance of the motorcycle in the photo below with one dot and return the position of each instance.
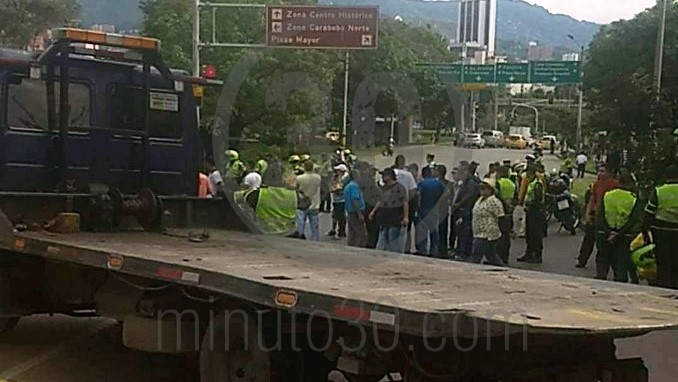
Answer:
(562, 204)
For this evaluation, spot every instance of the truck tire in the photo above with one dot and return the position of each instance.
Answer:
(7, 324)
(241, 359)
(255, 364)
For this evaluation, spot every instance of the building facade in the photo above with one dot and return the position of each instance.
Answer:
(535, 52)
(476, 29)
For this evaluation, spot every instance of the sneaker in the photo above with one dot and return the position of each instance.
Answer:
(580, 265)
(332, 233)
(524, 259)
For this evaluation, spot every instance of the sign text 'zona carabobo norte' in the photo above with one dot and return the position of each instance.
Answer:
(322, 27)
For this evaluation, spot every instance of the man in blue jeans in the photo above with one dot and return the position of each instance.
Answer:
(430, 191)
(462, 207)
(393, 213)
(308, 185)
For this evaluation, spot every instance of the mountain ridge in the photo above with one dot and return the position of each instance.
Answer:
(517, 20)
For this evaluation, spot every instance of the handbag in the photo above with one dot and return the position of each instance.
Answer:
(303, 201)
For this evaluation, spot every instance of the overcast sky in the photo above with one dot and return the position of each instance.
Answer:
(600, 11)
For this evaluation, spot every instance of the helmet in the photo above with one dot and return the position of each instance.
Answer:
(305, 157)
(294, 159)
(260, 166)
(554, 173)
(347, 152)
(643, 257)
(232, 155)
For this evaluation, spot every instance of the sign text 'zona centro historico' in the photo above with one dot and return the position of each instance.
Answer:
(322, 27)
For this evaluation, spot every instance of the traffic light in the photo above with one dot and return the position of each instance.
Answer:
(209, 72)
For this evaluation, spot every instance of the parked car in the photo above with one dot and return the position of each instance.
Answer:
(473, 140)
(545, 142)
(493, 138)
(516, 141)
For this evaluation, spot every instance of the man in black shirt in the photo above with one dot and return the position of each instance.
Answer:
(392, 212)
(371, 192)
(462, 206)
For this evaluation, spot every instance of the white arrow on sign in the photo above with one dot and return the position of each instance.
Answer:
(555, 79)
(511, 78)
(478, 78)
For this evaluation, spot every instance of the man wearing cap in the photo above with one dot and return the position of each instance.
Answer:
(339, 181)
(535, 217)
(392, 214)
(462, 206)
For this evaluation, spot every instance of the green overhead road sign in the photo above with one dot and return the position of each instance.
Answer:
(555, 72)
(449, 74)
(538, 72)
(478, 74)
(513, 73)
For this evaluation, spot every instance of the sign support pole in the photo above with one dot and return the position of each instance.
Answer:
(346, 78)
(580, 143)
(496, 108)
(196, 52)
(473, 112)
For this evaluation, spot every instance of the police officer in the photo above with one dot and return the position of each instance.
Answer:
(274, 204)
(661, 216)
(617, 224)
(507, 193)
(261, 166)
(235, 169)
(535, 218)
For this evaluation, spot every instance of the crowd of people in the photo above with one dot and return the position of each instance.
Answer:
(457, 215)
(616, 217)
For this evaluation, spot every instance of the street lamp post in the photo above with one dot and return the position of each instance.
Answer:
(659, 56)
(581, 102)
(580, 86)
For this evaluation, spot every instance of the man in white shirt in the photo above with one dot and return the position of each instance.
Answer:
(308, 185)
(581, 164)
(216, 183)
(406, 178)
(252, 180)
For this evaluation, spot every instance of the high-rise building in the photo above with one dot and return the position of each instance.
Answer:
(476, 28)
(571, 57)
(535, 52)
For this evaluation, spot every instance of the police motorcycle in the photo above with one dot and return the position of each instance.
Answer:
(561, 203)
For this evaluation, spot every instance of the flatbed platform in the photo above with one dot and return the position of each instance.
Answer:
(404, 293)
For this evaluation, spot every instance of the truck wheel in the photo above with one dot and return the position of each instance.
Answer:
(239, 360)
(7, 324)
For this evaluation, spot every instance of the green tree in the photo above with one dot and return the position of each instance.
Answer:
(618, 86)
(300, 92)
(22, 20)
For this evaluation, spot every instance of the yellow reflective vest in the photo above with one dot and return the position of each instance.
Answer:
(618, 205)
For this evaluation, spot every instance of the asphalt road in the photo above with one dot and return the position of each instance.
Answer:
(61, 349)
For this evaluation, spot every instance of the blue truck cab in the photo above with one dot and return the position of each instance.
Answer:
(126, 120)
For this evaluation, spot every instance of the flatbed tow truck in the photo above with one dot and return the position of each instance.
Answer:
(96, 219)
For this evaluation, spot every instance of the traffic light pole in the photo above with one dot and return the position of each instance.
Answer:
(347, 67)
(580, 142)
